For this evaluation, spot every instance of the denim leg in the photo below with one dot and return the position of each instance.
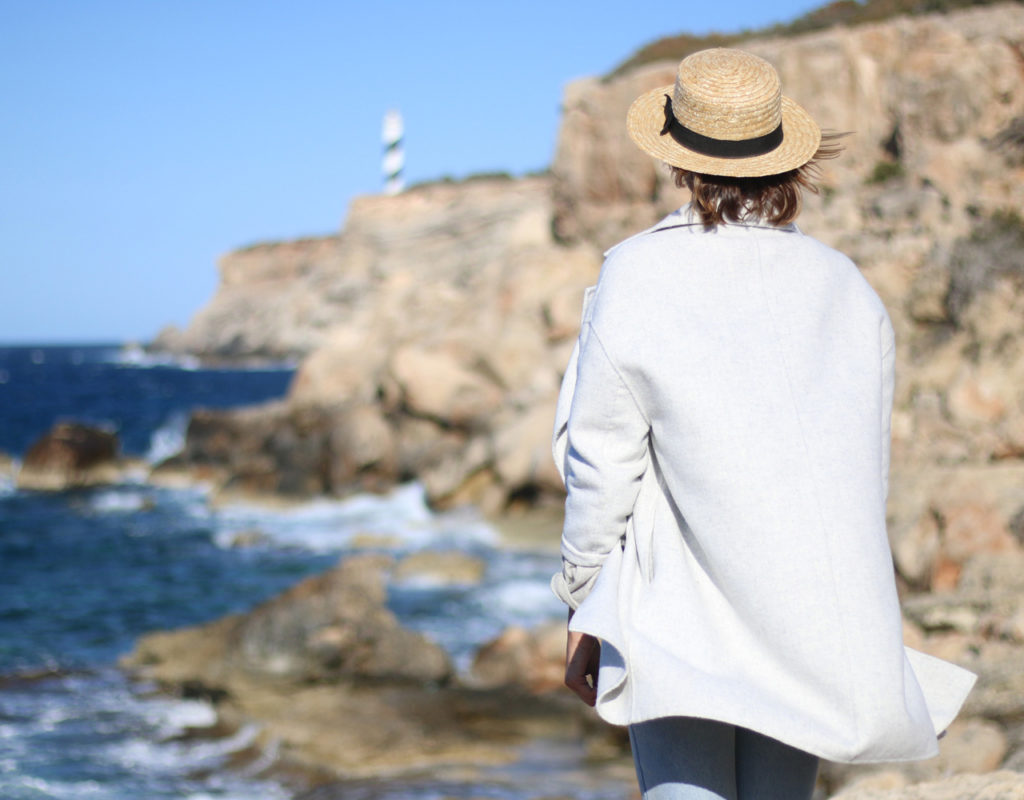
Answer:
(767, 769)
(684, 758)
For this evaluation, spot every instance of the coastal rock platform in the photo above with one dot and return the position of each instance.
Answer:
(434, 327)
(337, 686)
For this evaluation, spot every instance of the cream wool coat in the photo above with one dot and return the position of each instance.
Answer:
(723, 432)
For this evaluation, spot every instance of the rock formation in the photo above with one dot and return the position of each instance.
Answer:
(452, 313)
(1003, 785)
(434, 328)
(330, 628)
(70, 456)
(337, 684)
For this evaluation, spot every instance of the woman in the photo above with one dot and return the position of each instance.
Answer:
(723, 431)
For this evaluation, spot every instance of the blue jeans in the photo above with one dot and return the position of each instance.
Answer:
(684, 758)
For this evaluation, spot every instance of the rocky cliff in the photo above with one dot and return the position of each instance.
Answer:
(433, 329)
(452, 313)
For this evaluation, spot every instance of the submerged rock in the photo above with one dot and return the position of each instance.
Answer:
(70, 456)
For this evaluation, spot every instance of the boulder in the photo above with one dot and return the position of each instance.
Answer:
(437, 383)
(531, 659)
(362, 449)
(330, 628)
(523, 450)
(70, 456)
(1004, 785)
(336, 626)
(969, 746)
(335, 683)
(449, 567)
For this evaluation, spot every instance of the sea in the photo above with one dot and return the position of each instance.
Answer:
(84, 573)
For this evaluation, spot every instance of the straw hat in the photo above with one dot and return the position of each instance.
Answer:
(725, 116)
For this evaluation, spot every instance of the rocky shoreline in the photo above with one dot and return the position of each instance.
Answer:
(340, 689)
(432, 331)
(341, 692)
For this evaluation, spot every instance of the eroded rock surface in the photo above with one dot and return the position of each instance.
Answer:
(434, 328)
(1004, 785)
(70, 456)
(336, 683)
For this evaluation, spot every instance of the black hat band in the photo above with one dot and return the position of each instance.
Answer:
(719, 148)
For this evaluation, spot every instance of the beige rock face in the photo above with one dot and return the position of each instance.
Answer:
(532, 659)
(434, 383)
(434, 328)
(445, 567)
(943, 84)
(337, 685)
(994, 786)
(456, 304)
(451, 314)
(332, 628)
(265, 304)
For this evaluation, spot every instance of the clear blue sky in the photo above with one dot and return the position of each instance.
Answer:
(140, 139)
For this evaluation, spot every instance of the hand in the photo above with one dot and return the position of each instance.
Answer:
(582, 656)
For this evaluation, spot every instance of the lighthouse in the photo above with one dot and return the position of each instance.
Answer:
(394, 157)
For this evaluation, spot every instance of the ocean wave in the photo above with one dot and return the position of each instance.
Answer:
(169, 439)
(523, 601)
(18, 784)
(146, 754)
(132, 355)
(400, 519)
(118, 501)
(171, 717)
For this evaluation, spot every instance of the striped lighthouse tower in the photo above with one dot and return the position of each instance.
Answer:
(394, 157)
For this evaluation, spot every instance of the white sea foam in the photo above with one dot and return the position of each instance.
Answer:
(173, 717)
(169, 439)
(523, 601)
(398, 519)
(118, 501)
(133, 355)
(179, 756)
(63, 789)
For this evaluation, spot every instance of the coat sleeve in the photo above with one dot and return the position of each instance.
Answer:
(888, 347)
(606, 457)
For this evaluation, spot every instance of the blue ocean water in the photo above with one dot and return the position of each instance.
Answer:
(84, 573)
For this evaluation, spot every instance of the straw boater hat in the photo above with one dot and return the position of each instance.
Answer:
(725, 116)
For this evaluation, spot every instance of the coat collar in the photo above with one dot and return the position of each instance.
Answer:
(685, 217)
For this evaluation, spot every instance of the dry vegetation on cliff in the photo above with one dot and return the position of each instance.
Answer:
(838, 12)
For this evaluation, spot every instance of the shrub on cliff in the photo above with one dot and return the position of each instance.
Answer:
(839, 12)
(994, 250)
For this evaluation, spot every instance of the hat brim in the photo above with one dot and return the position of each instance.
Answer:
(801, 138)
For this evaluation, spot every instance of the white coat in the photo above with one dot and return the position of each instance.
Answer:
(723, 432)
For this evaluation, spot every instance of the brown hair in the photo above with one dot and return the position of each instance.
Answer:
(775, 199)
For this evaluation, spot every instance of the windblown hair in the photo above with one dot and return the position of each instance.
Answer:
(774, 199)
